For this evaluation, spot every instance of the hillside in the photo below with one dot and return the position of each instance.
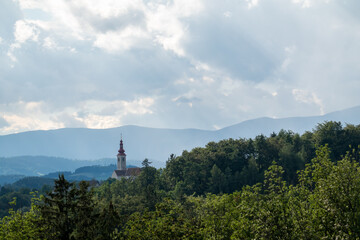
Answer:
(152, 143)
(221, 189)
(15, 168)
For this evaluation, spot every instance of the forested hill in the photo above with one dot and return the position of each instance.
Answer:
(282, 186)
(42, 165)
(228, 165)
(155, 144)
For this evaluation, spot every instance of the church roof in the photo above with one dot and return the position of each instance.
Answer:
(129, 172)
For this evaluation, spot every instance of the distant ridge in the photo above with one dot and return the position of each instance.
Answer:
(153, 143)
(266, 126)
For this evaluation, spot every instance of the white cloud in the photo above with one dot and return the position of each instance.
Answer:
(122, 40)
(49, 43)
(31, 4)
(22, 115)
(106, 114)
(176, 32)
(252, 3)
(303, 3)
(77, 19)
(307, 97)
(166, 28)
(309, 3)
(109, 8)
(26, 116)
(19, 123)
(25, 31)
(289, 51)
(11, 55)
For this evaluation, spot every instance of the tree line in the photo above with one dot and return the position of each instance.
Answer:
(285, 186)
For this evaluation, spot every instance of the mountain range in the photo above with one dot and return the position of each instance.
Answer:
(143, 142)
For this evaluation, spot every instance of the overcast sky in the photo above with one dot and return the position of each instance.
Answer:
(174, 64)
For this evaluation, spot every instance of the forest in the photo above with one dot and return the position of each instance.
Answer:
(282, 186)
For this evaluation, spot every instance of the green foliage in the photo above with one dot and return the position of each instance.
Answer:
(84, 213)
(325, 204)
(217, 180)
(148, 182)
(33, 183)
(170, 220)
(68, 211)
(23, 198)
(277, 187)
(58, 209)
(108, 220)
(19, 225)
(244, 161)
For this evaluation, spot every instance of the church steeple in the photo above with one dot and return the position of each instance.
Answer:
(121, 150)
(121, 171)
(121, 157)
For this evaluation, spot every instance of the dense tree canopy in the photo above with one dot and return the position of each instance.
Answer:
(285, 186)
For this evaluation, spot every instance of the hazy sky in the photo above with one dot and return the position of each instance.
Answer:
(174, 64)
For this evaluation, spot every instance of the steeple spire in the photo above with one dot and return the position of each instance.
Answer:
(121, 150)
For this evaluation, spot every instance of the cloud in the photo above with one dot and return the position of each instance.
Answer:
(93, 114)
(19, 123)
(26, 116)
(25, 31)
(69, 120)
(104, 22)
(121, 40)
(9, 14)
(308, 98)
(108, 114)
(186, 100)
(303, 3)
(252, 3)
(179, 64)
(3, 123)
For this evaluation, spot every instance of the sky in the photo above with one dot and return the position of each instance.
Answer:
(174, 64)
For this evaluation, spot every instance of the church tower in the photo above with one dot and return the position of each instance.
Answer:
(121, 157)
(121, 171)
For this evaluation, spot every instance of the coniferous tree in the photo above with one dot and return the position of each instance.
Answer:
(217, 180)
(69, 211)
(85, 217)
(58, 209)
(107, 222)
(148, 184)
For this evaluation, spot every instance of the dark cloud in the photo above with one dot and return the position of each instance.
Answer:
(63, 78)
(229, 48)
